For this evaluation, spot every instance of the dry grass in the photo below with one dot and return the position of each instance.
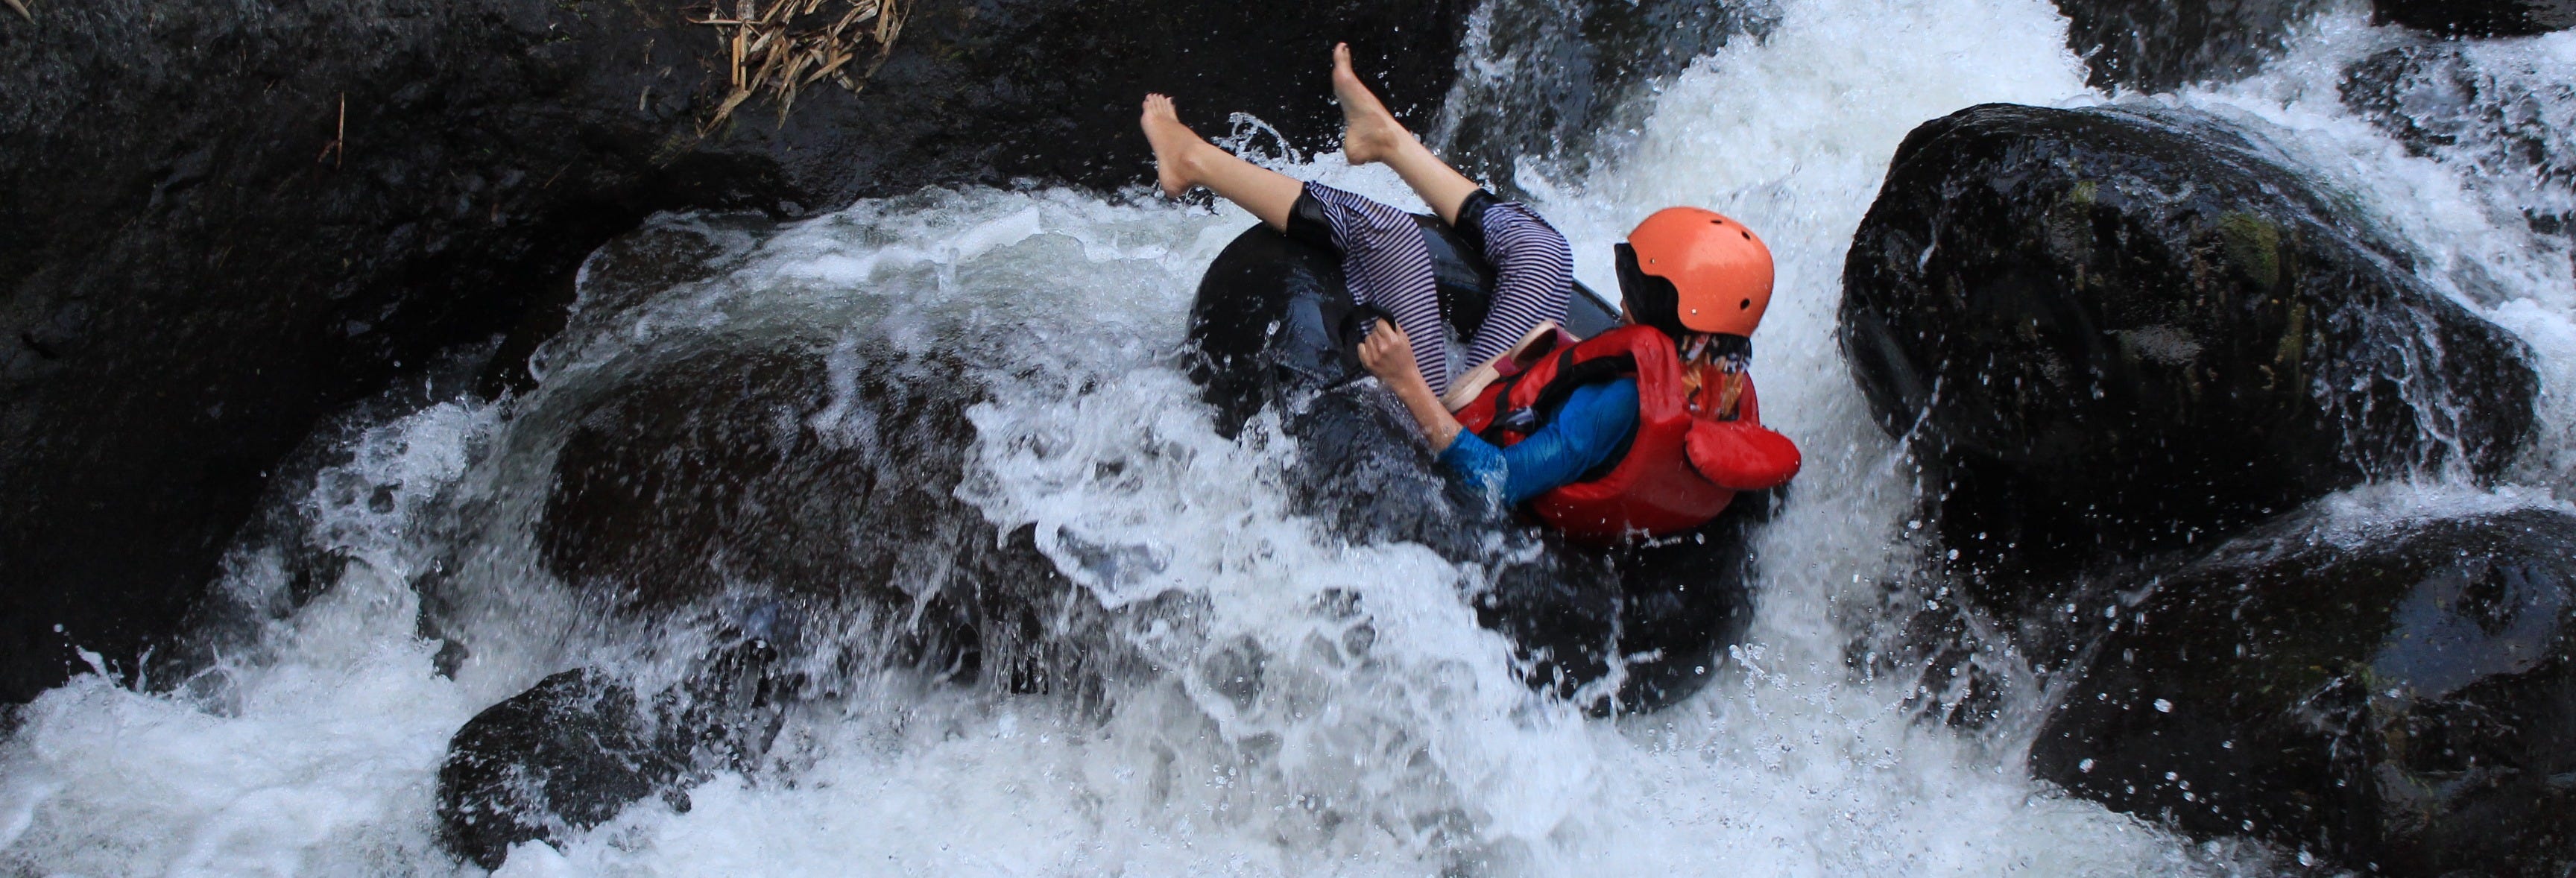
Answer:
(22, 9)
(790, 44)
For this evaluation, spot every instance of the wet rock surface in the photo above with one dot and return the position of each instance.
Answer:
(1269, 326)
(580, 746)
(2107, 332)
(799, 506)
(2160, 45)
(2480, 18)
(565, 755)
(2400, 699)
(2487, 107)
(747, 467)
(229, 221)
(764, 484)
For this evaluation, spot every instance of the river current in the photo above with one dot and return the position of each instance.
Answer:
(312, 744)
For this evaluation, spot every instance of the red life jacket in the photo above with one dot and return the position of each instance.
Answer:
(1680, 468)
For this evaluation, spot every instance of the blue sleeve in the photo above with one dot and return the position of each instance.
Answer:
(1477, 463)
(1590, 426)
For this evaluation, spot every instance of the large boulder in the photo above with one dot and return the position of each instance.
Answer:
(228, 220)
(2480, 18)
(756, 468)
(793, 498)
(2400, 698)
(756, 483)
(2107, 331)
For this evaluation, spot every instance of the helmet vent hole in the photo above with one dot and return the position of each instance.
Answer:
(1747, 305)
(1747, 235)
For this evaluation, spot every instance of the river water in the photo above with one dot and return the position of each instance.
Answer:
(311, 746)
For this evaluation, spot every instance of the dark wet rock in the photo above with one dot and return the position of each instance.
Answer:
(580, 746)
(564, 756)
(2106, 332)
(1269, 328)
(2160, 45)
(2480, 18)
(1656, 614)
(799, 498)
(206, 254)
(2397, 698)
(759, 477)
(794, 489)
(752, 468)
(1599, 59)
(2503, 114)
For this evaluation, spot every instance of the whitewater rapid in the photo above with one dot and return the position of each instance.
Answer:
(311, 746)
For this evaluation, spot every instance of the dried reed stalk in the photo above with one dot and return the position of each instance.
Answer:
(791, 44)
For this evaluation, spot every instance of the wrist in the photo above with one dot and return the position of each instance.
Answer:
(1433, 416)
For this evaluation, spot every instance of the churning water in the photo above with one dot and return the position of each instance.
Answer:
(1399, 743)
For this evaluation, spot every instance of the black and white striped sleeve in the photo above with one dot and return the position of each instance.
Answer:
(1533, 275)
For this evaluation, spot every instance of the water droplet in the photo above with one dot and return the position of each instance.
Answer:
(2163, 706)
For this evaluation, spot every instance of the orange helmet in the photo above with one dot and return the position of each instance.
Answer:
(1690, 270)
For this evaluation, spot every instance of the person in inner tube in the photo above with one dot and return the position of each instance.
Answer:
(1644, 430)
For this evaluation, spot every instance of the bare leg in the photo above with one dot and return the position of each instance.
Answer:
(1183, 159)
(1371, 134)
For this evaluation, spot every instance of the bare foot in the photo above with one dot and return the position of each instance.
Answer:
(1173, 142)
(1369, 132)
